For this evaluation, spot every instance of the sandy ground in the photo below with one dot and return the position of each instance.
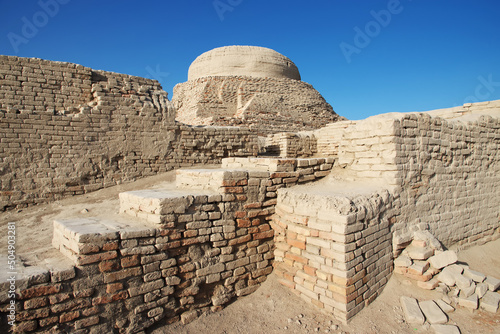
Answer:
(272, 308)
(275, 309)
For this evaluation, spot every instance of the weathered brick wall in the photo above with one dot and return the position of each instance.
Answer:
(269, 105)
(442, 168)
(451, 183)
(329, 137)
(30, 84)
(92, 129)
(368, 150)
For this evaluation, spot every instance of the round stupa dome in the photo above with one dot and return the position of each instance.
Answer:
(242, 60)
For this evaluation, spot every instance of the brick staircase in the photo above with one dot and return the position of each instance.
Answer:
(172, 253)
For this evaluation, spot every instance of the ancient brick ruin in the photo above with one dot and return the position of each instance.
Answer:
(326, 209)
(253, 87)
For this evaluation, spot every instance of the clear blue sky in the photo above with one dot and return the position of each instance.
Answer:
(364, 57)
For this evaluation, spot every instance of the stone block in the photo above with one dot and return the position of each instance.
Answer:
(490, 301)
(418, 267)
(433, 313)
(429, 239)
(492, 282)
(446, 277)
(445, 329)
(481, 289)
(402, 261)
(419, 253)
(444, 306)
(412, 312)
(462, 282)
(466, 292)
(442, 288)
(470, 302)
(476, 276)
(455, 268)
(423, 278)
(429, 285)
(443, 259)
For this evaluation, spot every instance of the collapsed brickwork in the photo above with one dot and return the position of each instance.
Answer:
(68, 130)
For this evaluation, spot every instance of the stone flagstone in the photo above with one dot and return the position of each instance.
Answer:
(413, 314)
(481, 289)
(402, 261)
(418, 253)
(476, 276)
(447, 277)
(462, 282)
(445, 329)
(469, 291)
(444, 306)
(455, 268)
(433, 313)
(470, 302)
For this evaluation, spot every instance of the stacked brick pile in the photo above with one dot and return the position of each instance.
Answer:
(424, 262)
(333, 250)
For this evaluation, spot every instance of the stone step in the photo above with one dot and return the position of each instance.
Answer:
(269, 164)
(94, 239)
(208, 179)
(54, 269)
(155, 206)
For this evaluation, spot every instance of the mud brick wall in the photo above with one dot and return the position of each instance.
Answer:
(194, 145)
(442, 168)
(451, 183)
(30, 84)
(439, 175)
(291, 145)
(333, 251)
(329, 137)
(90, 129)
(368, 149)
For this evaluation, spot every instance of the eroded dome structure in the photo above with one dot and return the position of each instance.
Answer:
(243, 60)
(249, 86)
